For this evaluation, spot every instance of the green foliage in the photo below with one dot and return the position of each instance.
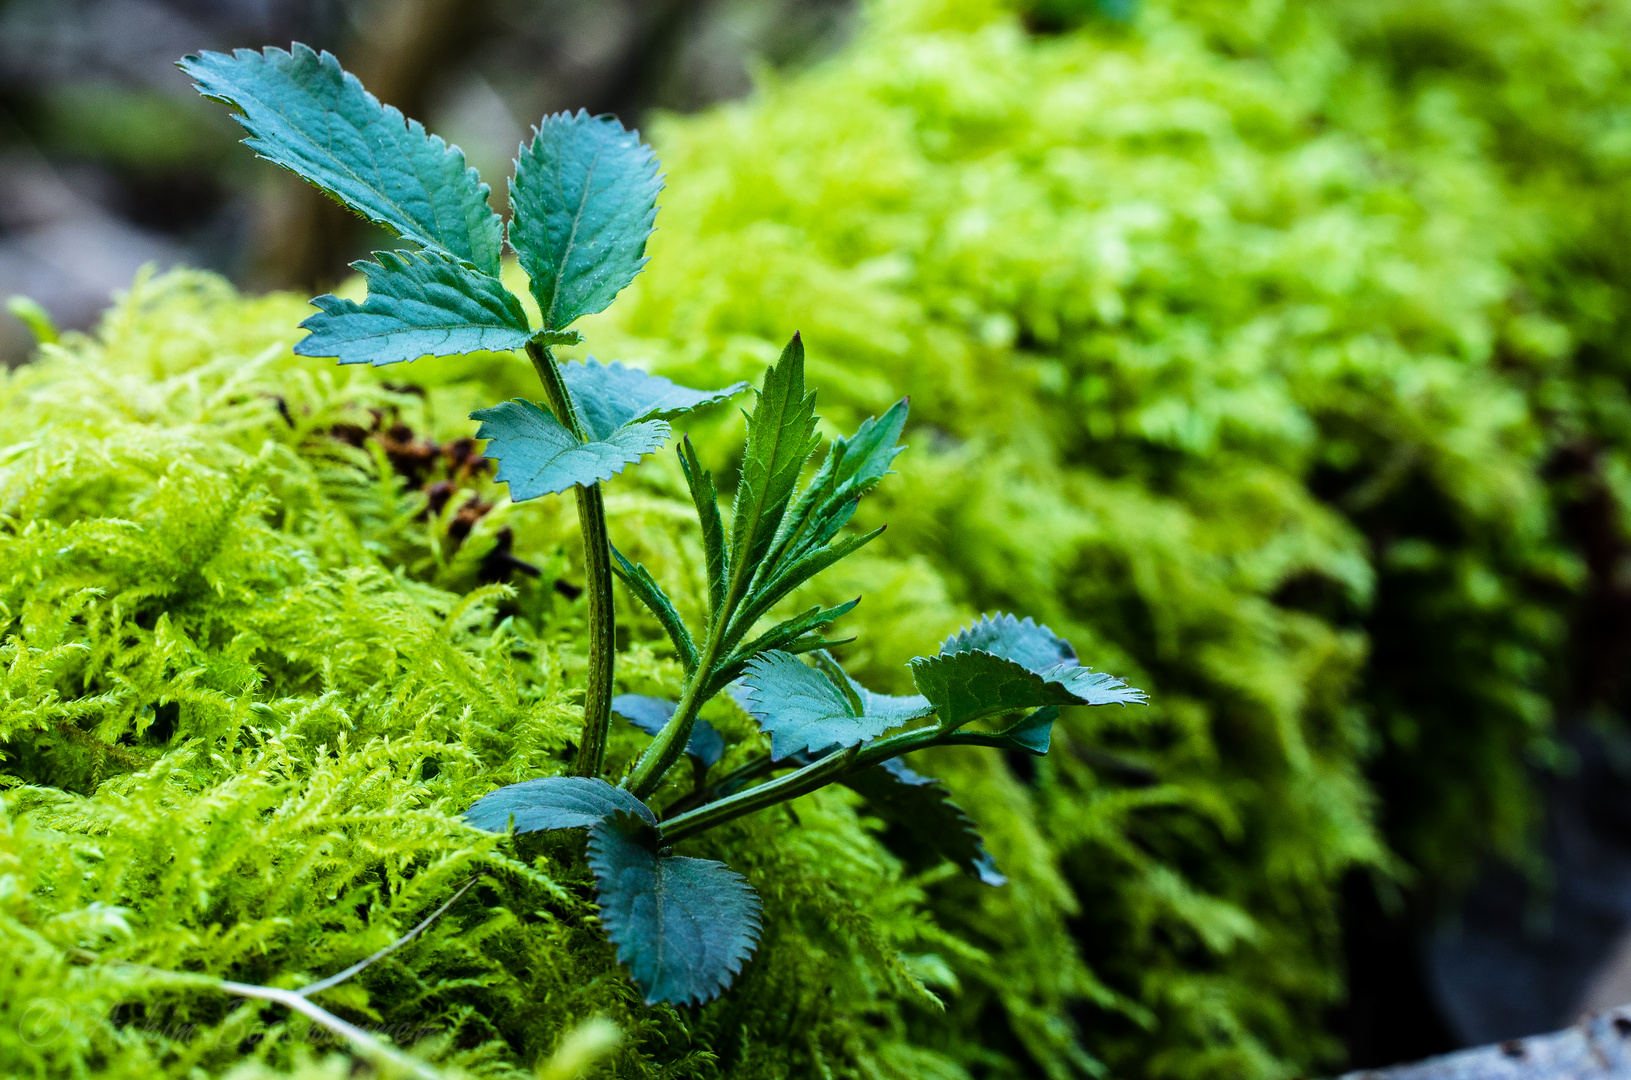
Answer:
(306, 114)
(537, 455)
(803, 709)
(585, 198)
(684, 927)
(611, 396)
(554, 802)
(418, 305)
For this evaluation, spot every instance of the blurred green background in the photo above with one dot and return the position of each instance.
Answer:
(1276, 353)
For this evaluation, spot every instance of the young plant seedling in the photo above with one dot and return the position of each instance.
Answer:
(584, 196)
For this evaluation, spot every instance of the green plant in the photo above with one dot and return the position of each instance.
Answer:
(584, 196)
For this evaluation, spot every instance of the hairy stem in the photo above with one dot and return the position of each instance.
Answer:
(815, 775)
(597, 565)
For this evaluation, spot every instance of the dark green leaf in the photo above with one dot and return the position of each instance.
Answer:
(683, 927)
(609, 396)
(769, 593)
(585, 196)
(645, 587)
(538, 456)
(803, 709)
(649, 714)
(1031, 734)
(921, 806)
(419, 304)
(554, 802)
(852, 468)
(781, 437)
(1027, 643)
(701, 484)
(969, 685)
(306, 114)
(983, 670)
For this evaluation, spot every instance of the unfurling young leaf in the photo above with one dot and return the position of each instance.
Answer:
(649, 714)
(805, 709)
(700, 482)
(921, 806)
(683, 926)
(554, 802)
(609, 396)
(419, 304)
(585, 196)
(306, 114)
(538, 456)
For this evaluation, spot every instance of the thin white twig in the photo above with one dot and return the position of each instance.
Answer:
(340, 977)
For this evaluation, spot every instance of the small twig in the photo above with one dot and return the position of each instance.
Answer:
(336, 979)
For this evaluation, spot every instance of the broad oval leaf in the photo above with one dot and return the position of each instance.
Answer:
(803, 709)
(922, 807)
(585, 197)
(305, 113)
(537, 455)
(419, 304)
(682, 926)
(611, 395)
(649, 714)
(554, 802)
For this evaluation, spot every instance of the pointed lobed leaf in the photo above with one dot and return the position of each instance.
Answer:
(705, 497)
(554, 802)
(419, 304)
(853, 467)
(682, 926)
(585, 197)
(803, 709)
(649, 593)
(536, 455)
(649, 714)
(922, 807)
(611, 395)
(781, 437)
(305, 113)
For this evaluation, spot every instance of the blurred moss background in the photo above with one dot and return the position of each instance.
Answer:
(1275, 353)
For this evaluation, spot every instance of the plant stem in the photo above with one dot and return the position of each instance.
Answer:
(597, 565)
(670, 742)
(791, 786)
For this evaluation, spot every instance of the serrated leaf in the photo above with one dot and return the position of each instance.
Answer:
(649, 593)
(682, 926)
(922, 807)
(537, 455)
(969, 685)
(769, 593)
(585, 197)
(419, 304)
(554, 802)
(853, 467)
(1042, 652)
(804, 709)
(305, 113)
(781, 437)
(705, 497)
(1025, 642)
(609, 396)
(650, 714)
